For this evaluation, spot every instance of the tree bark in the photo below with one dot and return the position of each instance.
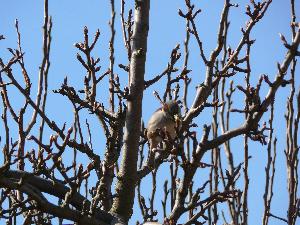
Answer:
(125, 187)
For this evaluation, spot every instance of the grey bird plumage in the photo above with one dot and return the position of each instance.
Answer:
(163, 120)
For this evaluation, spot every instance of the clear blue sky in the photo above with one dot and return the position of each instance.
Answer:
(166, 30)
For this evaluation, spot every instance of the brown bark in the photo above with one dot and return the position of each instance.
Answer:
(125, 187)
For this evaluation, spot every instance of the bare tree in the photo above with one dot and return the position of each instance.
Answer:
(84, 191)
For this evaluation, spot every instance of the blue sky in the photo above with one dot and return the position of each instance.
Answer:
(166, 30)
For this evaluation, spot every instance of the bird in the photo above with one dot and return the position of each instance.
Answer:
(163, 122)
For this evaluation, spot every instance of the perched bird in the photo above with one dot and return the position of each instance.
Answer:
(163, 122)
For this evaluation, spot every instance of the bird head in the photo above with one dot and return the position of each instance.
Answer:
(172, 109)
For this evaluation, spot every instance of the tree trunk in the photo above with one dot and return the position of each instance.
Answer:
(125, 187)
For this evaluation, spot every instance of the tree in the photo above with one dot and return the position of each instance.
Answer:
(43, 186)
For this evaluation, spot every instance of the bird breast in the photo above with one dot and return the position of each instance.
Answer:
(159, 120)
